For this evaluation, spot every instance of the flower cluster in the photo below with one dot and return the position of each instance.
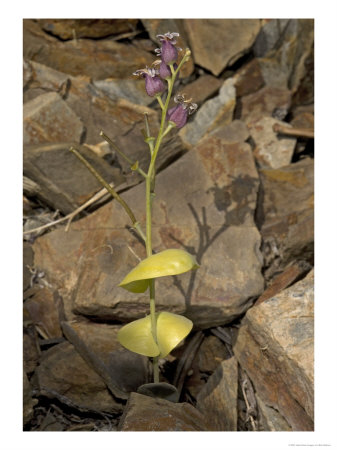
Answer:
(166, 69)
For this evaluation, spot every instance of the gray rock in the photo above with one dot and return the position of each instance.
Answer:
(213, 113)
(207, 36)
(275, 348)
(213, 219)
(64, 182)
(143, 413)
(132, 90)
(47, 118)
(218, 398)
(271, 150)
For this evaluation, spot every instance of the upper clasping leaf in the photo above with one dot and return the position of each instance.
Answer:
(167, 262)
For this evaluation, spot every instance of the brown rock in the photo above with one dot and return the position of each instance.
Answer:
(41, 79)
(44, 313)
(249, 78)
(269, 418)
(122, 371)
(97, 59)
(213, 220)
(47, 118)
(271, 150)
(86, 28)
(28, 263)
(64, 375)
(218, 398)
(275, 347)
(265, 102)
(31, 348)
(65, 183)
(202, 88)
(207, 36)
(232, 133)
(162, 26)
(144, 413)
(285, 215)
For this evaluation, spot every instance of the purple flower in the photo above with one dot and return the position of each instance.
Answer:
(165, 71)
(179, 113)
(153, 84)
(168, 51)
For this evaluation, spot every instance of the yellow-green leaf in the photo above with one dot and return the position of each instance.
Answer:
(171, 329)
(167, 262)
(137, 337)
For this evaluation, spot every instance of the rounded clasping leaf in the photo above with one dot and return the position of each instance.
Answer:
(171, 329)
(167, 262)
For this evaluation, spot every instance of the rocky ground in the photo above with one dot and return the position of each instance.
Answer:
(234, 187)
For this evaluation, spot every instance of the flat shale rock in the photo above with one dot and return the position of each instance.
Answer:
(47, 118)
(275, 348)
(144, 413)
(286, 215)
(63, 374)
(283, 61)
(202, 88)
(218, 398)
(207, 38)
(97, 59)
(271, 150)
(86, 28)
(269, 418)
(122, 371)
(65, 183)
(205, 203)
(268, 101)
(213, 113)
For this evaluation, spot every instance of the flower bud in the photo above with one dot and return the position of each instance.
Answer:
(169, 53)
(178, 115)
(154, 85)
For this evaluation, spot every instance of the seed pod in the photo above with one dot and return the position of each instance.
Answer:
(171, 330)
(167, 262)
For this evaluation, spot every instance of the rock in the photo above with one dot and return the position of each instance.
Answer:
(210, 354)
(218, 398)
(207, 36)
(65, 183)
(249, 79)
(285, 215)
(275, 347)
(214, 220)
(86, 28)
(43, 311)
(270, 419)
(232, 133)
(162, 26)
(27, 262)
(269, 36)
(131, 90)
(97, 59)
(283, 66)
(28, 401)
(265, 102)
(64, 375)
(122, 371)
(271, 150)
(31, 348)
(143, 413)
(41, 79)
(216, 111)
(47, 118)
(202, 88)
